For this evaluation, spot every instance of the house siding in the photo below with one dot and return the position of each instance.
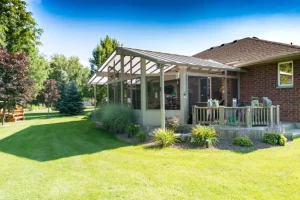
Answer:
(261, 81)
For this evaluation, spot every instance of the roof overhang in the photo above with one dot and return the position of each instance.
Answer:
(132, 63)
(279, 58)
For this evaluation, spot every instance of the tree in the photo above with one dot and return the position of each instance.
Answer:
(16, 87)
(50, 93)
(100, 54)
(18, 29)
(71, 102)
(39, 70)
(102, 51)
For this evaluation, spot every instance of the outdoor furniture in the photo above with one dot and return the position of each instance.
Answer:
(16, 115)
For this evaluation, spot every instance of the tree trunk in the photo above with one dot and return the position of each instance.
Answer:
(48, 111)
(3, 116)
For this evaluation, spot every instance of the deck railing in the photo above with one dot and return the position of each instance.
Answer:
(236, 116)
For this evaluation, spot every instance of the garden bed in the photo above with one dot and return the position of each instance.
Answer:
(221, 145)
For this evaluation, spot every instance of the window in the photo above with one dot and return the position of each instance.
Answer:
(172, 93)
(285, 74)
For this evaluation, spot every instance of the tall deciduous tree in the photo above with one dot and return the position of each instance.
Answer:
(16, 87)
(50, 93)
(18, 29)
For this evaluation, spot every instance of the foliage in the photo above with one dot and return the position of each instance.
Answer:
(71, 103)
(242, 141)
(102, 51)
(65, 70)
(172, 123)
(39, 69)
(19, 31)
(164, 137)
(50, 93)
(274, 139)
(282, 140)
(115, 118)
(133, 130)
(142, 136)
(274, 135)
(32, 107)
(201, 134)
(15, 85)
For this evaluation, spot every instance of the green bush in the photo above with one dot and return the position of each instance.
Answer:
(242, 141)
(201, 134)
(172, 123)
(274, 139)
(282, 140)
(164, 137)
(115, 117)
(133, 130)
(142, 136)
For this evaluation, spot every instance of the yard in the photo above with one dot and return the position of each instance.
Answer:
(69, 158)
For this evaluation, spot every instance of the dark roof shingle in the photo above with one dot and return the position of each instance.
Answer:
(247, 50)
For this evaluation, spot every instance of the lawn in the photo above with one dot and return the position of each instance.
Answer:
(69, 158)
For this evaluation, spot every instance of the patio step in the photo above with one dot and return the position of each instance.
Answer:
(294, 132)
(288, 126)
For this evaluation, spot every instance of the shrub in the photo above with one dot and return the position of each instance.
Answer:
(274, 139)
(201, 134)
(271, 138)
(164, 137)
(242, 141)
(172, 123)
(142, 136)
(133, 130)
(274, 135)
(282, 140)
(115, 117)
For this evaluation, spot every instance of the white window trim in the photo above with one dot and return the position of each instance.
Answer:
(278, 75)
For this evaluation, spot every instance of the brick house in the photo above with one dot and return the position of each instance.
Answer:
(273, 70)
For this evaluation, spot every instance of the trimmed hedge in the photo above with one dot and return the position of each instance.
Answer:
(274, 139)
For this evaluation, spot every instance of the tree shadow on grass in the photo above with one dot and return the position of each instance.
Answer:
(59, 140)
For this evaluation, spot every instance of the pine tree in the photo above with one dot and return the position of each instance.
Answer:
(71, 102)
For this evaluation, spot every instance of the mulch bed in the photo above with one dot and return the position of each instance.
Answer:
(221, 145)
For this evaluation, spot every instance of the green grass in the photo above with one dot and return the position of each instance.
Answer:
(69, 158)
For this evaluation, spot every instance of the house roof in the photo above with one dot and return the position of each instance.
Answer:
(248, 50)
(132, 57)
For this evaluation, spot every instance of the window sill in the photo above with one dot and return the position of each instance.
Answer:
(286, 86)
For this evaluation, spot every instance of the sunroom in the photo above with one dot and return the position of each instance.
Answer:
(135, 78)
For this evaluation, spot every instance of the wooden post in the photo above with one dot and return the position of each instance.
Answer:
(225, 90)
(122, 78)
(278, 114)
(248, 117)
(271, 116)
(162, 97)
(194, 111)
(222, 116)
(131, 96)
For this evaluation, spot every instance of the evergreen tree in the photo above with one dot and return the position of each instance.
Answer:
(71, 102)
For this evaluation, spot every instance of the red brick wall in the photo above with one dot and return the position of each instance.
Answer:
(261, 81)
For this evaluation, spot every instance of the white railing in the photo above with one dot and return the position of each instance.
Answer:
(236, 116)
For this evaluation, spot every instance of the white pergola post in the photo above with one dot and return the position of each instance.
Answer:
(122, 78)
(162, 97)
(131, 97)
(95, 95)
(225, 90)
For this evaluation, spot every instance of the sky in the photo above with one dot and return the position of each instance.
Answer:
(74, 27)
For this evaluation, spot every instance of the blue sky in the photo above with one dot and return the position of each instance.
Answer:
(74, 27)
